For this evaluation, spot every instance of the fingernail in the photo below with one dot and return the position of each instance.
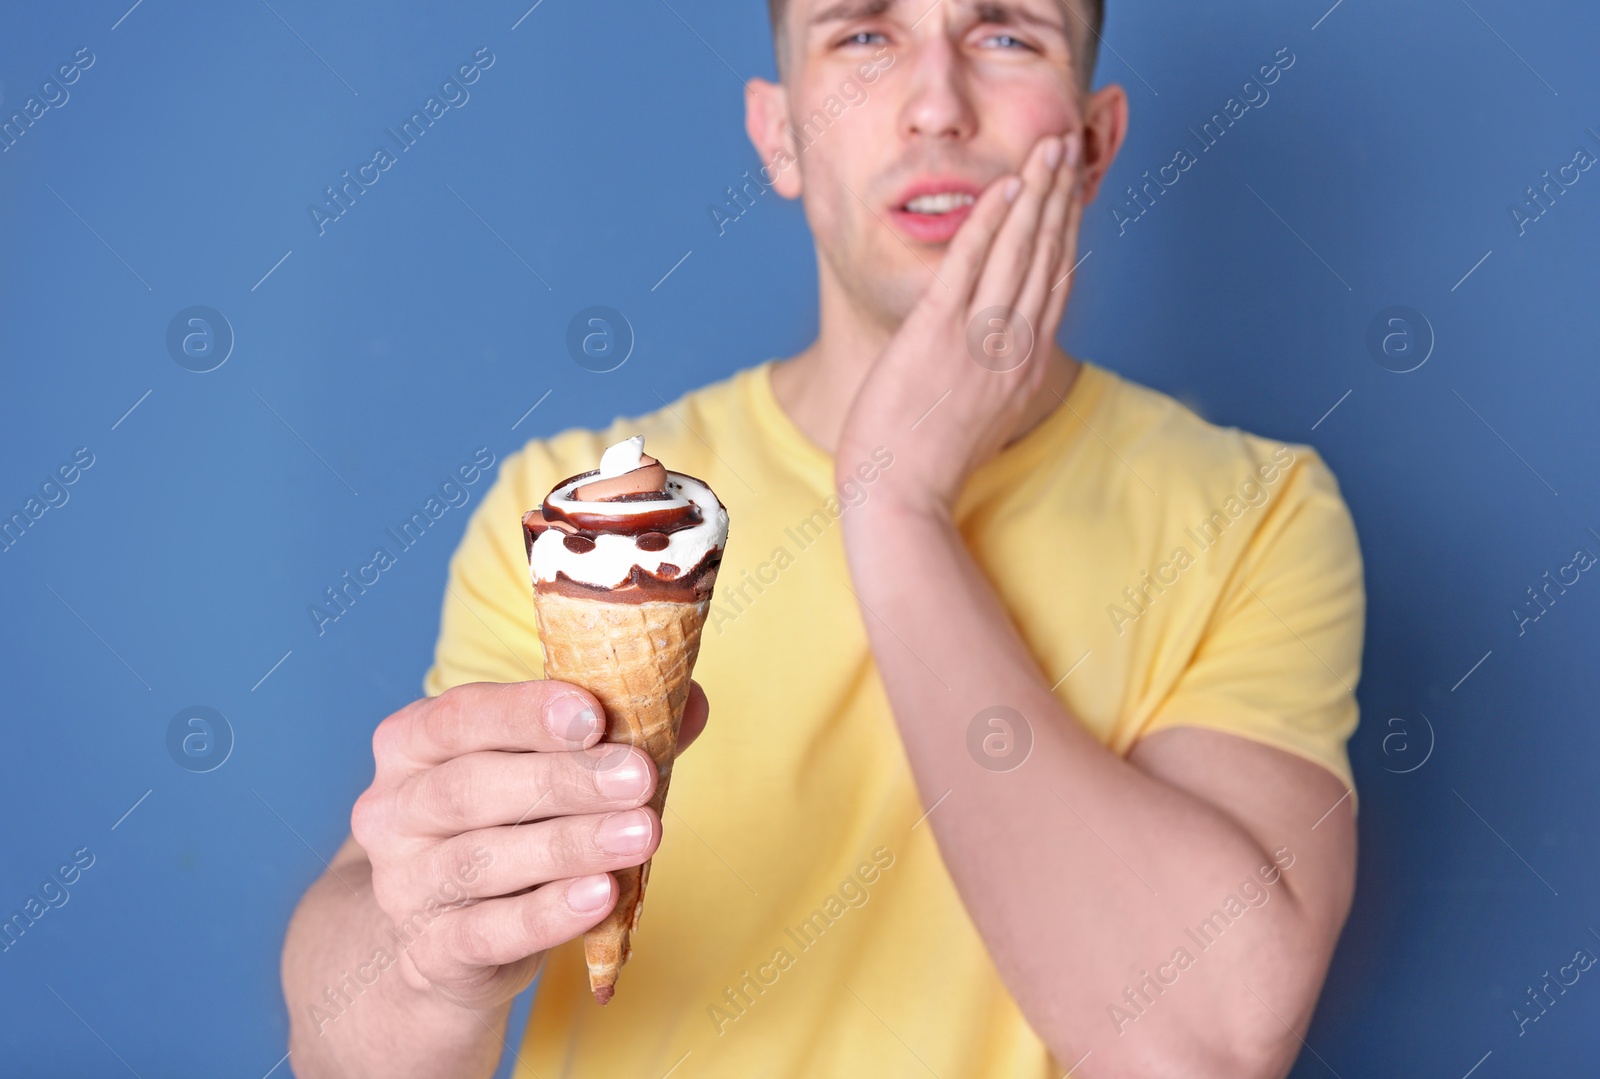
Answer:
(1074, 144)
(1013, 185)
(621, 777)
(1052, 153)
(625, 833)
(589, 893)
(571, 717)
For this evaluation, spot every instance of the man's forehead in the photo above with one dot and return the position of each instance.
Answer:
(1047, 14)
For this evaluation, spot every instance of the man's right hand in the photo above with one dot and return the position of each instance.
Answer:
(500, 793)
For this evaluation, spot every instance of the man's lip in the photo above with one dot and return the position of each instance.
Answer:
(935, 185)
(932, 228)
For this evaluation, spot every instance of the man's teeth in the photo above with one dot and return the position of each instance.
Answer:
(941, 203)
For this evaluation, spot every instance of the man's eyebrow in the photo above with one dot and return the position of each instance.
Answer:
(996, 12)
(846, 10)
(1004, 14)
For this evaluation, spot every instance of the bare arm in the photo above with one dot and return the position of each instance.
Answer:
(339, 1024)
(488, 836)
(1083, 872)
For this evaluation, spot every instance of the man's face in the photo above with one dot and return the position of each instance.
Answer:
(902, 111)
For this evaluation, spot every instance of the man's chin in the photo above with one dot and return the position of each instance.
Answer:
(888, 303)
(887, 288)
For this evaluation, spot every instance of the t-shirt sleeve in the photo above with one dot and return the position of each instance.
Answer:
(1280, 656)
(487, 631)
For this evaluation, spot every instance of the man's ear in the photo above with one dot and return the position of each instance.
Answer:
(766, 121)
(1105, 126)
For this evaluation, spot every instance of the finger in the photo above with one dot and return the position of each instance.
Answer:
(482, 790)
(963, 259)
(695, 716)
(511, 858)
(546, 716)
(1012, 250)
(1050, 248)
(1055, 303)
(456, 945)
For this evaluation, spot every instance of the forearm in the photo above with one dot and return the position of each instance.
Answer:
(1078, 868)
(352, 1012)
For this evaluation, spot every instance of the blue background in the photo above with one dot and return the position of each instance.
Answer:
(427, 320)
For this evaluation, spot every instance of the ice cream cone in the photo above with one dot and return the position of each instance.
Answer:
(636, 659)
(623, 560)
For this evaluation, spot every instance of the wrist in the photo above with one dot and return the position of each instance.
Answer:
(892, 513)
(870, 484)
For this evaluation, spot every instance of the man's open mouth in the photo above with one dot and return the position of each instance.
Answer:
(942, 203)
(931, 209)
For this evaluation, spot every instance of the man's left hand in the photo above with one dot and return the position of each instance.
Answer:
(947, 392)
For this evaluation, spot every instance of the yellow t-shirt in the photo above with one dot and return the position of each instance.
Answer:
(799, 921)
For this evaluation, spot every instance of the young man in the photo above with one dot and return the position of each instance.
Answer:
(1032, 688)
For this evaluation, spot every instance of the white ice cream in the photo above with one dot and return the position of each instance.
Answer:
(610, 563)
(625, 456)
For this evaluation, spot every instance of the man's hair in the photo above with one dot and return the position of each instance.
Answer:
(1094, 15)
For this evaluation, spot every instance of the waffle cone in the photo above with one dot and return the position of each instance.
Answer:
(636, 659)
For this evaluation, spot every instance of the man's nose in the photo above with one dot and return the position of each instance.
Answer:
(937, 103)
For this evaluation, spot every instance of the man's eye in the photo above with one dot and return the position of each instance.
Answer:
(1006, 41)
(864, 37)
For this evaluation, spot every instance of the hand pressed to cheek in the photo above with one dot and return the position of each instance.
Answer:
(1004, 270)
(1003, 262)
(1049, 240)
(1015, 301)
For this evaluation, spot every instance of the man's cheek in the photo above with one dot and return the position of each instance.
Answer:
(1028, 114)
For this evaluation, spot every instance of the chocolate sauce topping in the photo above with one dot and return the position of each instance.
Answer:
(644, 587)
(650, 531)
(670, 518)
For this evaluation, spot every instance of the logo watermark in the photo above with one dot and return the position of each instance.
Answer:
(999, 738)
(1400, 339)
(600, 339)
(200, 339)
(200, 739)
(999, 339)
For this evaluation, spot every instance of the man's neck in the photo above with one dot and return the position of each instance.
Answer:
(817, 385)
